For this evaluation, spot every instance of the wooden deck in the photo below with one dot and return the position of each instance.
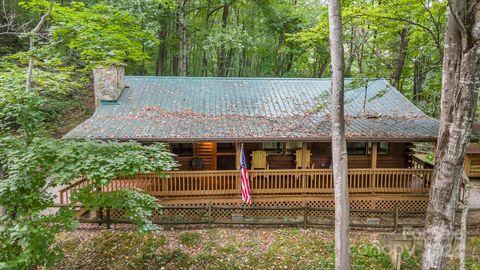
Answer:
(208, 184)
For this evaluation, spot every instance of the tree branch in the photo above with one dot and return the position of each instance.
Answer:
(32, 34)
(463, 30)
(437, 42)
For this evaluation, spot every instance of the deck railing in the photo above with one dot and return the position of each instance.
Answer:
(311, 181)
(418, 163)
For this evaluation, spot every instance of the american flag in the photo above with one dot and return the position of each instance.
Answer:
(246, 195)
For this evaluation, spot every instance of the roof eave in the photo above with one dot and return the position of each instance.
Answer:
(246, 140)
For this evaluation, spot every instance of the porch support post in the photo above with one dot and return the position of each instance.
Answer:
(237, 156)
(373, 165)
(374, 156)
(304, 166)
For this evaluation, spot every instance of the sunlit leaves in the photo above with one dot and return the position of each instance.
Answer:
(31, 168)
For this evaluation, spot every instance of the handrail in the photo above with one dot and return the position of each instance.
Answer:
(419, 163)
(65, 192)
(288, 181)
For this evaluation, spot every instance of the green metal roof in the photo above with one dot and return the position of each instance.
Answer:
(253, 109)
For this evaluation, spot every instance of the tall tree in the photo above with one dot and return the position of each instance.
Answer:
(222, 58)
(461, 71)
(32, 35)
(339, 145)
(402, 53)
(162, 47)
(182, 31)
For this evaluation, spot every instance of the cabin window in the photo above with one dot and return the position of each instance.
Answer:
(273, 148)
(182, 149)
(357, 148)
(291, 147)
(382, 148)
(225, 147)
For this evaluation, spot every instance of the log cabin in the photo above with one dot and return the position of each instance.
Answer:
(472, 158)
(283, 125)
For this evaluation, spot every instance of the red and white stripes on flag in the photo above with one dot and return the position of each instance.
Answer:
(246, 195)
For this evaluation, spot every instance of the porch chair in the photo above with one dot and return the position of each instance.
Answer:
(259, 160)
(299, 160)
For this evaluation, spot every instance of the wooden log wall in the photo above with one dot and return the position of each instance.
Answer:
(397, 157)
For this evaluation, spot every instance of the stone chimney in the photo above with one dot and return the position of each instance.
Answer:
(108, 82)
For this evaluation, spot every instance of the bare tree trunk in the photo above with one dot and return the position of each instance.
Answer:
(461, 68)
(183, 52)
(32, 34)
(162, 48)
(204, 51)
(339, 145)
(418, 78)
(222, 58)
(402, 53)
(463, 228)
(348, 69)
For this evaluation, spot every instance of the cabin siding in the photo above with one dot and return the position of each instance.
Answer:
(397, 157)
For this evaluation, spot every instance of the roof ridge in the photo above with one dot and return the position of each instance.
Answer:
(243, 78)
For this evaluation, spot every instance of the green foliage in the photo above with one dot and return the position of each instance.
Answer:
(31, 163)
(431, 156)
(31, 167)
(53, 96)
(190, 239)
(76, 29)
(137, 205)
(286, 39)
(27, 239)
(89, 35)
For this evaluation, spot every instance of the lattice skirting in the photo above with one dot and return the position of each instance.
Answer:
(404, 203)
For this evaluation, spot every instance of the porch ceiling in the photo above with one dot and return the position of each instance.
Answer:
(253, 109)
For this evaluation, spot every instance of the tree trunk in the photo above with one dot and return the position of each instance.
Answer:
(402, 53)
(461, 68)
(418, 78)
(183, 52)
(279, 56)
(339, 145)
(351, 55)
(32, 34)
(463, 222)
(222, 57)
(162, 48)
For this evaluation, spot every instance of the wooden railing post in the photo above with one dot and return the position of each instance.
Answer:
(164, 184)
(373, 165)
(305, 215)
(239, 180)
(395, 220)
(209, 212)
(108, 219)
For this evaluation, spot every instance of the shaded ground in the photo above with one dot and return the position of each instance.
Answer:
(222, 248)
(219, 248)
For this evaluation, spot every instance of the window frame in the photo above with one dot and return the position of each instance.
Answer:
(365, 153)
(280, 146)
(182, 154)
(386, 153)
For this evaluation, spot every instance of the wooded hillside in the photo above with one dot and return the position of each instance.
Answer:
(398, 40)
